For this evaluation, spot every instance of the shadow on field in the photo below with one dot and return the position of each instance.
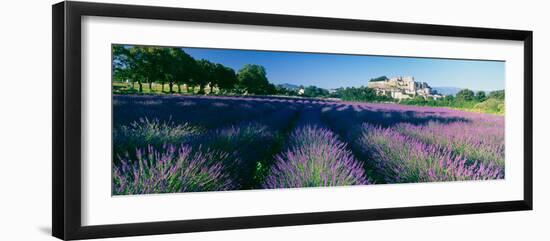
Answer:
(206, 111)
(348, 116)
(215, 111)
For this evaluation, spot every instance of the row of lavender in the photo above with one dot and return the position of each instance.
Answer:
(314, 157)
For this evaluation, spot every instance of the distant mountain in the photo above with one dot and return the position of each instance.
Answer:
(289, 86)
(446, 90)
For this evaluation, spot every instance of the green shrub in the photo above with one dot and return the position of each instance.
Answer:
(491, 105)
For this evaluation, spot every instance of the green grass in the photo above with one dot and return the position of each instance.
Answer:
(129, 88)
(489, 106)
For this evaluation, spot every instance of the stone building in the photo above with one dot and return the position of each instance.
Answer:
(403, 88)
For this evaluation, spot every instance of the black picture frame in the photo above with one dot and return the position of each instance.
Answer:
(66, 58)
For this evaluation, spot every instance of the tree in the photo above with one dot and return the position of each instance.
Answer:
(465, 94)
(182, 68)
(225, 77)
(205, 74)
(253, 79)
(270, 89)
(314, 91)
(132, 64)
(497, 94)
(480, 96)
(151, 65)
(449, 98)
(169, 64)
(120, 64)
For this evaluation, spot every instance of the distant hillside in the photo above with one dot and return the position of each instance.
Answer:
(447, 90)
(289, 86)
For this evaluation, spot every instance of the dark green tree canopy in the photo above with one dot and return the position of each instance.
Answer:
(360, 94)
(120, 64)
(314, 91)
(205, 74)
(480, 96)
(253, 78)
(141, 64)
(135, 64)
(226, 78)
(465, 94)
(182, 65)
(497, 94)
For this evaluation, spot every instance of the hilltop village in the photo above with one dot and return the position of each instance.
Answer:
(403, 88)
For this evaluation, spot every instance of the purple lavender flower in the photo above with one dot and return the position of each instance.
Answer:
(400, 159)
(475, 141)
(316, 158)
(171, 170)
(145, 132)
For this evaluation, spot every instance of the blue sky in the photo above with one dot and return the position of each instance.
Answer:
(337, 70)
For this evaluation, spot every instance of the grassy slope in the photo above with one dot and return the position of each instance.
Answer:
(492, 106)
(489, 106)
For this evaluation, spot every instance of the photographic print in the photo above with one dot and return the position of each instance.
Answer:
(202, 119)
(287, 119)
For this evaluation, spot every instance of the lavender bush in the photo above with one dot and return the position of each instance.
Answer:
(145, 132)
(250, 144)
(246, 143)
(475, 141)
(171, 170)
(402, 159)
(315, 158)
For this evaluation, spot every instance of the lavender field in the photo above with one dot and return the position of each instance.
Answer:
(177, 143)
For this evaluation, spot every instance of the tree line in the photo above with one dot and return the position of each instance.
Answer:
(362, 94)
(488, 102)
(173, 66)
